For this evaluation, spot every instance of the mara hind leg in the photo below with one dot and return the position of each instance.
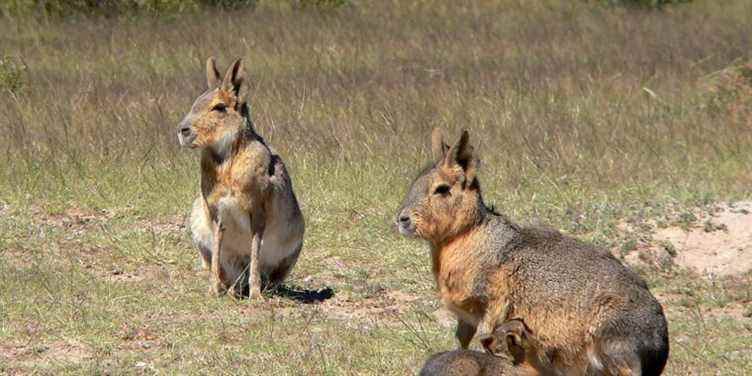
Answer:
(635, 343)
(613, 357)
(619, 356)
(282, 270)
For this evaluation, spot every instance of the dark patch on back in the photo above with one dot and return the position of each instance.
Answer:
(245, 111)
(273, 164)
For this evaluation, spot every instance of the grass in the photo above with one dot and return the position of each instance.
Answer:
(584, 115)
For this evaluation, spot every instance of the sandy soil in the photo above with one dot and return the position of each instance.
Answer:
(717, 243)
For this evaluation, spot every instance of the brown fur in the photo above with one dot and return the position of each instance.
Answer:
(591, 314)
(247, 217)
(512, 337)
(526, 350)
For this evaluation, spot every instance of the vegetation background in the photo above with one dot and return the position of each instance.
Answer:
(587, 115)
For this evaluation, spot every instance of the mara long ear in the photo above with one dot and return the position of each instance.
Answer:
(212, 74)
(234, 77)
(463, 155)
(438, 147)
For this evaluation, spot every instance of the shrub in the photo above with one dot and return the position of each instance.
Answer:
(730, 93)
(11, 74)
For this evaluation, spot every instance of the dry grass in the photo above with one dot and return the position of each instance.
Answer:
(584, 115)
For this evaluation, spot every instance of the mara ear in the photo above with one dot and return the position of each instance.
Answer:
(492, 345)
(438, 147)
(212, 74)
(463, 155)
(515, 348)
(234, 77)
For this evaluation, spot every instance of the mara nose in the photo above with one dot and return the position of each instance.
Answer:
(404, 219)
(185, 131)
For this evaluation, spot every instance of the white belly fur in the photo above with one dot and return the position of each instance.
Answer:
(277, 242)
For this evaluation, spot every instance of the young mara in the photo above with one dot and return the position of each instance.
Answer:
(246, 217)
(512, 337)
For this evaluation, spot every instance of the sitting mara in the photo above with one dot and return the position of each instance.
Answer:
(590, 313)
(246, 221)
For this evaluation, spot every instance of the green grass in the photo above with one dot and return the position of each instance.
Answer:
(585, 116)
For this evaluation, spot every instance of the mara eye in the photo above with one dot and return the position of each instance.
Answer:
(221, 107)
(442, 190)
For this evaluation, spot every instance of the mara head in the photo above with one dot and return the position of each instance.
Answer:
(444, 200)
(218, 114)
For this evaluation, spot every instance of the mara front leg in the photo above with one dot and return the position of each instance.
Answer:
(217, 274)
(464, 333)
(496, 312)
(258, 225)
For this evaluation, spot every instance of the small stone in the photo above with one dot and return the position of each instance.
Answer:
(748, 312)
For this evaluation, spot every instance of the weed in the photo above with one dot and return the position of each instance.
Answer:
(12, 73)
(669, 247)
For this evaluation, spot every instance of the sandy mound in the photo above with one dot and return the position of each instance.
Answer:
(722, 245)
(718, 242)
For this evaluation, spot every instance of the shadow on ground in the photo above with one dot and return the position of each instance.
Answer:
(303, 295)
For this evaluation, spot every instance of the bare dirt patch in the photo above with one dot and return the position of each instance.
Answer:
(58, 351)
(717, 242)
(720, 245)
(73, 218)
(174, 224)
(384, 305)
